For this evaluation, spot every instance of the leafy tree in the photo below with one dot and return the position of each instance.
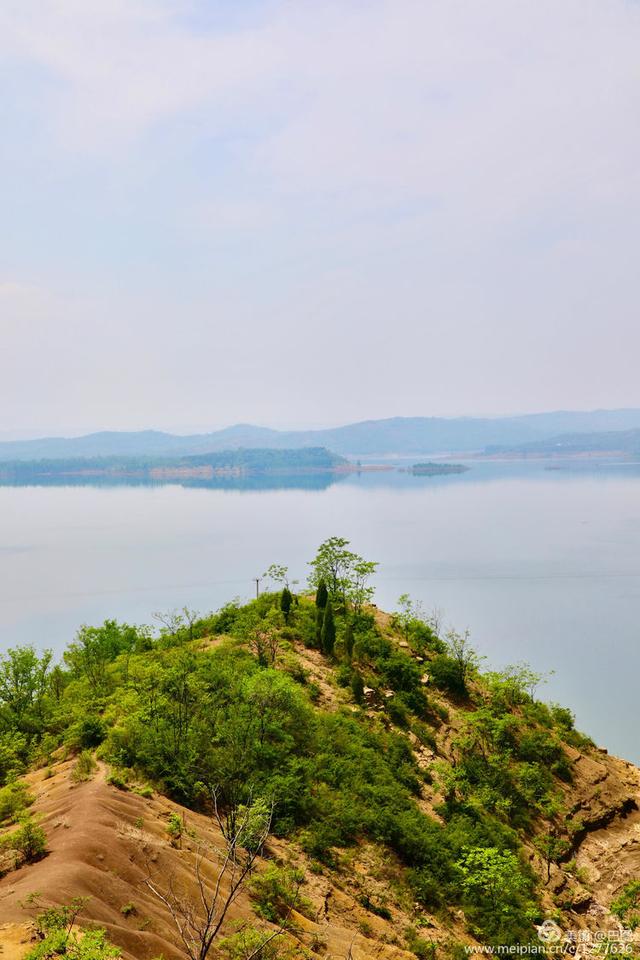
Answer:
(446, 674)
(278, 573)
(514, 685)
(14, 800)
(23, 689)
(264, 642)
(345, 574)
(496, 889)
(359, 591)
(552, 847)
(328, 635)
(190, 617)
(451, 670)
(272, 702)
(408, 613)
(13, 753)
(463, 653)
(96, 648)
(171, 621)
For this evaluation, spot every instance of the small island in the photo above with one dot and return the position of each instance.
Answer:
(432, 469)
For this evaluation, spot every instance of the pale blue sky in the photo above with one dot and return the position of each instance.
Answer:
(304, 213)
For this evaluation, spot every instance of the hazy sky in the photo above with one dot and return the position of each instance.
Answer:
(311, 212)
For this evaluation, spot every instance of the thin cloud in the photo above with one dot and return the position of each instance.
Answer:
(442, 198)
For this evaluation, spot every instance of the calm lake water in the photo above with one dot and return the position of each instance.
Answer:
(541, 565)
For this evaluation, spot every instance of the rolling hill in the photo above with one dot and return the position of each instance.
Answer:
(397, 435)
(436, 773)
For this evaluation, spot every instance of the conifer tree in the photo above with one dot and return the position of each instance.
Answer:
(322, 595)
(328, 635)
(286, 600)
(357, 687)
(319, 620)
(349, 639)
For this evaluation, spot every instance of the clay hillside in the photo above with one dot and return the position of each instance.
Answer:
(402, 804)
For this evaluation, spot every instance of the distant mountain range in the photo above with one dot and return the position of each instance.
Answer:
(626, 442)
(398, 435)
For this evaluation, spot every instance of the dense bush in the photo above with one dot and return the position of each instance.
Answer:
(446, 674)
(29, 841)
(14, 800)
(55, 928)
(276, 891)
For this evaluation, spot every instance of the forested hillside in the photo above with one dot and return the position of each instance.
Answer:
(238, 463)
(298, 776)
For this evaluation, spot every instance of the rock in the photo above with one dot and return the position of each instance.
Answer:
(581, 900)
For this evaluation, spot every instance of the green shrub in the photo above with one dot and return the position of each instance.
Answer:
(92, 945)
(252, 944)
(84, 767)
(13, 754)
(29, 841)
(562, 717)
(357, 687)
(376, 908)
(424, 734)
(626, 903)
(117, 778)
(14, 800)
(397, 711)
(371, 646)
(562, 769)
(55, 927)
(275, 891)
(343, 675)
(145, 791)
(319, 839)
(175, 829)
(423, 949)
(497, 894)
(86, 734)
(447, 675)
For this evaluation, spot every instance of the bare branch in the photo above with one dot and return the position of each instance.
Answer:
(244, 829)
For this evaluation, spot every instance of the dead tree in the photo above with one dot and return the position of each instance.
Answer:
(199, 919)
(171, 621)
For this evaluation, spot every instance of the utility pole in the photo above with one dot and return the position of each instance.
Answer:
(257, 580)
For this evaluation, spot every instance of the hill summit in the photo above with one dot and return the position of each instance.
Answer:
(368, 788)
